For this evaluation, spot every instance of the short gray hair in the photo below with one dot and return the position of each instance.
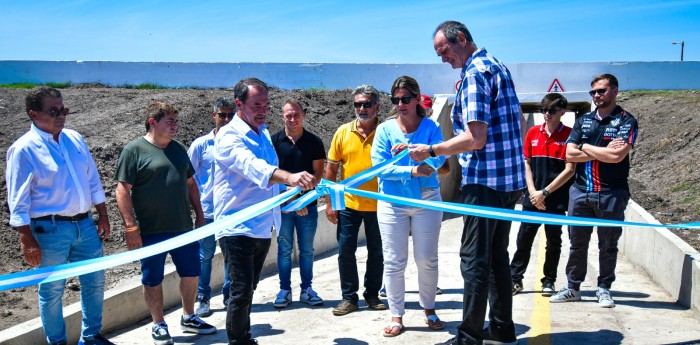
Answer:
(224, 102)
(366, 90)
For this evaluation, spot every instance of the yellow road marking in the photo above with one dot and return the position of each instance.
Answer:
(540, 320)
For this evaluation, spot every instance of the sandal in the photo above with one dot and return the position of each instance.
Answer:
(434, 322)
(390, 327)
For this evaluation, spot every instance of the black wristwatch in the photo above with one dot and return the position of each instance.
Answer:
(545, 192)
(580, 146)
(430, 150)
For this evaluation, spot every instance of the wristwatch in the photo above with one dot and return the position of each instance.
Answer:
(580, 146)
(430, 150)
(545, 192)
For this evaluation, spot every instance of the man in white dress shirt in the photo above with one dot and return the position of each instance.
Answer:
(52, 182)
(246, 174)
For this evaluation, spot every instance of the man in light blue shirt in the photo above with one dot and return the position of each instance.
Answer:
(246, 174)
(201, 154)
(52, 182)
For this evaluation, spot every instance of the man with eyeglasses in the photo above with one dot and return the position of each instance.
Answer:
(52, 182)
(600, 144)
(155, 194)
(201, 154)
(548, 176)
(486, 118)
(247, 173)
(350, 153)
(297, 150)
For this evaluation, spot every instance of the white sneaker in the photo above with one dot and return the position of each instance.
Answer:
(604, 298)
(284, 297)
(566, 295)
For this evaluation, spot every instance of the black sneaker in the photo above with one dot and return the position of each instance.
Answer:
(194, 324)
(160, 334)
(517, 286)
(548, 289)
(98, 339)
(493, 338)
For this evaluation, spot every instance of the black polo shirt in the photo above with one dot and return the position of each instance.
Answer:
(596, 176)
(299, 156)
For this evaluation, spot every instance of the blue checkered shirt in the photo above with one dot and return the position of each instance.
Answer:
(487, 94)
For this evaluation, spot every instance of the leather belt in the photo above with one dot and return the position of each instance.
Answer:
(55, 217)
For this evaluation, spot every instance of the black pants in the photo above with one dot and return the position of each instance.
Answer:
(349, 222)
(604, 205)
(244, 257)
(485, 268)
(526, 235)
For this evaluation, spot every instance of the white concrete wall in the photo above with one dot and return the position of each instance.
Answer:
(531, 79)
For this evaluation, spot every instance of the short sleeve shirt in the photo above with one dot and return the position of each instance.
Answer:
(299, 156)
(597, 176)
(353, 151)
(547, 156)
(159, 191)
(487, 94)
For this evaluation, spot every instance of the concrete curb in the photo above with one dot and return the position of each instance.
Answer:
(124, 304)
(668, 260)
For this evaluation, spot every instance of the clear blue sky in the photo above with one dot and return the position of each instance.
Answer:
(344, 31)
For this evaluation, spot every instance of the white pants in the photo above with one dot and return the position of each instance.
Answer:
(396, 222)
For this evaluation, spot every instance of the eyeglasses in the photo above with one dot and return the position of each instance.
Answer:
(225, 115)
(550, 111)
(55, 111)
(405, 99)
(600, 92)
(359, 105)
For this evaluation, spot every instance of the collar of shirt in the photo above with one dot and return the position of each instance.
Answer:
(242, 127)
(45, 135)
(543, 128)
(478, 52)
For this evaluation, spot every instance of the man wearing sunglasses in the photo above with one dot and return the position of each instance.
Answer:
(52, 182)
(548, 181)
(350, 153)
(600, 144)
(201, 154)
(487, 122)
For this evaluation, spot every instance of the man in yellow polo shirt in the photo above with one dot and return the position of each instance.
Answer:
(350, 152)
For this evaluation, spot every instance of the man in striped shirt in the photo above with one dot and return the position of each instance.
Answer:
(600, 144)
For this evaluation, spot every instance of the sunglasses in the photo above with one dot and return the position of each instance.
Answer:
(600, 92)
(550, 111)
(225, 115)
(359, 105)
(55, 112)
(405, 99)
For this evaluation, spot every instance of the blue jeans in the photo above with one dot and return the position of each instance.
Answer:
(306, 230)
(207, 248)
(62, 242)
(349, 222)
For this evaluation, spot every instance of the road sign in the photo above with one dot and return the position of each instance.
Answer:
(556, 86)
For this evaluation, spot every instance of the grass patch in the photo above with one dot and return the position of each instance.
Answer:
(33, 85)
(145, 86)
(683, 186)
(682, 94)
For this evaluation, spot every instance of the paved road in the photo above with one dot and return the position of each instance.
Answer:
(645, 314)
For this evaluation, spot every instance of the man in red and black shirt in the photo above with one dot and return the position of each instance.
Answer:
(548, 176)
(600, 143)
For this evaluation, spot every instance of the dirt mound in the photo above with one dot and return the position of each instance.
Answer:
(664, 177)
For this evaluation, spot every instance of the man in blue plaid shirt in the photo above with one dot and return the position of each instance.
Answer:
(488, 140)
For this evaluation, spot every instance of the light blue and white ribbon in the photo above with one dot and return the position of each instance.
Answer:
(53, 273)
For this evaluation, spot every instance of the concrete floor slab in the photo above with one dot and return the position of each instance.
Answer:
(644, 312)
